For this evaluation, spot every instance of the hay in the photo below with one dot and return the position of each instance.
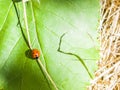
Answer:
(107, 77)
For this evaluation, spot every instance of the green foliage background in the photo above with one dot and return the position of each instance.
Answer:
(48, 20)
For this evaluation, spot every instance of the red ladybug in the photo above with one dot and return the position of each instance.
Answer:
(35, 53)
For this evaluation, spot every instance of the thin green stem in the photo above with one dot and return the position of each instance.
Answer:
(26, 23)
(75, 55)
(46, 73)
(29, 44)
(19, 23)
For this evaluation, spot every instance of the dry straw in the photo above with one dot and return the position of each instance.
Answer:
(107, 77)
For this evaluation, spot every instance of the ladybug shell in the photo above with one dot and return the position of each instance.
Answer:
(35, 53)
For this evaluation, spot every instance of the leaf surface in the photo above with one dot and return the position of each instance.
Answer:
(47, 21)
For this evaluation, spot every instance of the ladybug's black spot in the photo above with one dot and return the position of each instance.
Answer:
(36, 57)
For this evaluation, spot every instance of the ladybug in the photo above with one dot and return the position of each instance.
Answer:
(35, 53)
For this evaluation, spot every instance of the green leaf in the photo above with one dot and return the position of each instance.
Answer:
(48, 20)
